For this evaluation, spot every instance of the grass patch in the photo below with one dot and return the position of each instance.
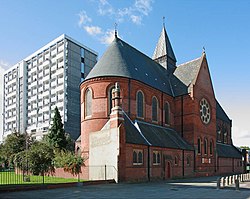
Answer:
(7, 178)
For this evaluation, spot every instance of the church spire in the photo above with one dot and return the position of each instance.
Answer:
(164, 53)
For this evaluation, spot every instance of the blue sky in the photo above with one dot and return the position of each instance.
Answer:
(222, 27)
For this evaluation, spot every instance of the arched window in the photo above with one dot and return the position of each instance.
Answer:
(199, 145)
(225, 137)
(134, 157)
(175, 160)
(167, 113)
(88, 103)
(211, 147)
(140, 156)
(110, 99)
(188, 161)
(154, 109)
(140, 104)
(205, 146)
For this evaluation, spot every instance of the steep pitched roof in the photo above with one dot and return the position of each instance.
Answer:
(133, 136)
(164, 47)
(122, 60)
(221, 114)
(162, 137)
(227, 151)
(188, 71)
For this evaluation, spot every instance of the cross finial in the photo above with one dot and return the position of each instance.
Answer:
(163, 21)
(203, 49)
(115, 30)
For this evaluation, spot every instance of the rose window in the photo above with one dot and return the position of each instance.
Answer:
(205, 111)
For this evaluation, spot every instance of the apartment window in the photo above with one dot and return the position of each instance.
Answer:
(156, 158)
(205, 146)
(140, 104)
(167, 113)
(199, 145)
(154, 109)
(88, 102)
(137, 157)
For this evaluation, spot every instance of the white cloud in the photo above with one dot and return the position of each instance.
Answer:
(105, 8)
(4, 65)
(93, 30)
(108, 37)
(83, 18)
(134, 13)
(136, 19)
(143, 6)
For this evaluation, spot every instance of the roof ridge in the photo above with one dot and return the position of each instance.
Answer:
(189, 61)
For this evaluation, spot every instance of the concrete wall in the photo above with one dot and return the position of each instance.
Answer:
(104, 150)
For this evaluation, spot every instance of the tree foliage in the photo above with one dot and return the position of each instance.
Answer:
(56, 136)
(245, 147)
(69, 162)
(38, 159)
(13, 144)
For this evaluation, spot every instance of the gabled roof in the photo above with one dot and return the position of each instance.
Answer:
(227, 151)
(133, 136)
(188, 71)
(164, 47)
(162, 137)
(221, 114)
(122, 60)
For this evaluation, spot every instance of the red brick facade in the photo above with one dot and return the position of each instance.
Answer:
(185, 118)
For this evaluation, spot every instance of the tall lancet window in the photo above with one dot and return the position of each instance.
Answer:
(167, 113)
(88, 102)
(154, 109)
(140, 104)
(110, 99)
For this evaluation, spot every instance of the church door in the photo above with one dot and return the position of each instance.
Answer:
(167, 170)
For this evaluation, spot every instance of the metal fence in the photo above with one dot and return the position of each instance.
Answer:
(14, 176)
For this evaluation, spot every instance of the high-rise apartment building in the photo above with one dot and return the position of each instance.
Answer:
(48, 78)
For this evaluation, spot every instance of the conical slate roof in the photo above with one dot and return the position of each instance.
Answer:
(123, 60)
(164, 47)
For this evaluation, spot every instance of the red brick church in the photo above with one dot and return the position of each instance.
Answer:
(148, 118)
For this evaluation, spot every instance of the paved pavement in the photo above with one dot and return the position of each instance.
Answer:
(185, 188)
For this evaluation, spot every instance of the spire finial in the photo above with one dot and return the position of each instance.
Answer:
(163, 21)
(115, 30)
(203, 50)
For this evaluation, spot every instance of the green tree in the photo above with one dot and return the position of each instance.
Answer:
(14, 143)
(38, 159)
(245, 147)
(56, 136)
(69, 162)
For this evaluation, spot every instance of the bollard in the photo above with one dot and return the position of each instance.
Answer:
(241, 177)
(237, 184)
(223, 182)
(229, 180)
(218, 183)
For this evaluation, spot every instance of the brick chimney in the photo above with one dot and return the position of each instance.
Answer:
(116, 116)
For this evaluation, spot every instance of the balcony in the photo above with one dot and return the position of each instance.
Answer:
(46, 93)
(33, 84)
(34, 69)
(60, 88)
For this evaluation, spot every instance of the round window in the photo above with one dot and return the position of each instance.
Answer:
(205, 111)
